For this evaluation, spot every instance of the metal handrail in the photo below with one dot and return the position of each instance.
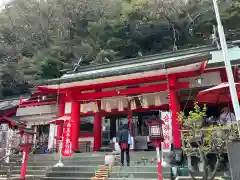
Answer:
(31, 152)
(9, 170)
(6, 156)
(36, 147)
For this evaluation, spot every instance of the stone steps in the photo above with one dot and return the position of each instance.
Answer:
(70, 174)
(29, 172)
(80, 178)
(67, 163)
(82, 166)
(28, 168)
(139, 172)
(75, 168)
(138, 169)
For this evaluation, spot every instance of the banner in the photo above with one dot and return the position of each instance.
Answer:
(66, 143)
(167, 131)
(51, 137)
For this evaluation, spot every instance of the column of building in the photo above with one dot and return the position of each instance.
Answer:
(130, 125)
(174, 107)
(75, 123)
(97, 128)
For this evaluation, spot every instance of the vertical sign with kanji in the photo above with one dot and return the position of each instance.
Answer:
(167, 131)
(66, 143)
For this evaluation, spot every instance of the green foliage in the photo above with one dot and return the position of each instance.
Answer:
(57, 33)
(200, 140)
(195, 117)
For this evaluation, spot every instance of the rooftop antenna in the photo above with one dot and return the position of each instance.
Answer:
(76, 65)
(214, 37)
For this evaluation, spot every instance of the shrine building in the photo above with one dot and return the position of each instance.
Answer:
(99, 99)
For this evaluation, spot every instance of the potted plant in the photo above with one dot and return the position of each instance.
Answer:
(194, 121)
(200, 141)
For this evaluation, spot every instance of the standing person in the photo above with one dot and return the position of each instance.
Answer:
(226, 116)
(124, 141)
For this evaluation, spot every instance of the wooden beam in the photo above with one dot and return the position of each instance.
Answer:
(119, 83)
(127, 92)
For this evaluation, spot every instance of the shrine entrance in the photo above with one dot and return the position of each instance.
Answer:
(130, 88)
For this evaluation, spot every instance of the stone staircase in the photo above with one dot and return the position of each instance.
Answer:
(40, 166)
(142, 167)
(82, 166)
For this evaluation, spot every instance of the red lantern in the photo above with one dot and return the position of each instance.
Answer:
(156, 136)
(156, 132)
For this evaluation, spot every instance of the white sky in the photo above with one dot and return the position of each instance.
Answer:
(3, 2)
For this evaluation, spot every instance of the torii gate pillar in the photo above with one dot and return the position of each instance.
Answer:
(174, 108)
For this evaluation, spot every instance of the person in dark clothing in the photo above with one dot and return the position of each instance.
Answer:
(124, 143)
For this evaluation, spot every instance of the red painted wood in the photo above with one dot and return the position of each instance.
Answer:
(203, 66)
(223, 75)
(118, 83)
(75, 124)
(115, 111)
(131, 91)
(28, 104)
(86, 135)
(174, 109)
(97, 126)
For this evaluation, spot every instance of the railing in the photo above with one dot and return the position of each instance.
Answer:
(8, 173)
(37, 100)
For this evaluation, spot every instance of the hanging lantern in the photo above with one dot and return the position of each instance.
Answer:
(133, 104)
(120, 105)
(108, 107)
(157, 100)
(145, 102)
(95, 107)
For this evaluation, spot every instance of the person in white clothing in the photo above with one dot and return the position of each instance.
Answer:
(226, 116)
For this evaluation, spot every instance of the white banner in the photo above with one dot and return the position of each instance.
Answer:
(167, 131)
(51, 138)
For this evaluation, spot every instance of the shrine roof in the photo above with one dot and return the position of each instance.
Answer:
(179, 61)
(134, 65)
(217, 58)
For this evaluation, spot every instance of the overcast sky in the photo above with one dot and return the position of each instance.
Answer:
(3, 2)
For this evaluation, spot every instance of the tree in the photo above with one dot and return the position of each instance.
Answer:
(59, 32)
(200, 140)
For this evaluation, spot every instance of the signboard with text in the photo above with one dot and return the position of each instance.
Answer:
(66, 143)
(167, 131)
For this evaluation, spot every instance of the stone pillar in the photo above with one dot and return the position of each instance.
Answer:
(97, 127)
(174, 108)
(75, 124)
